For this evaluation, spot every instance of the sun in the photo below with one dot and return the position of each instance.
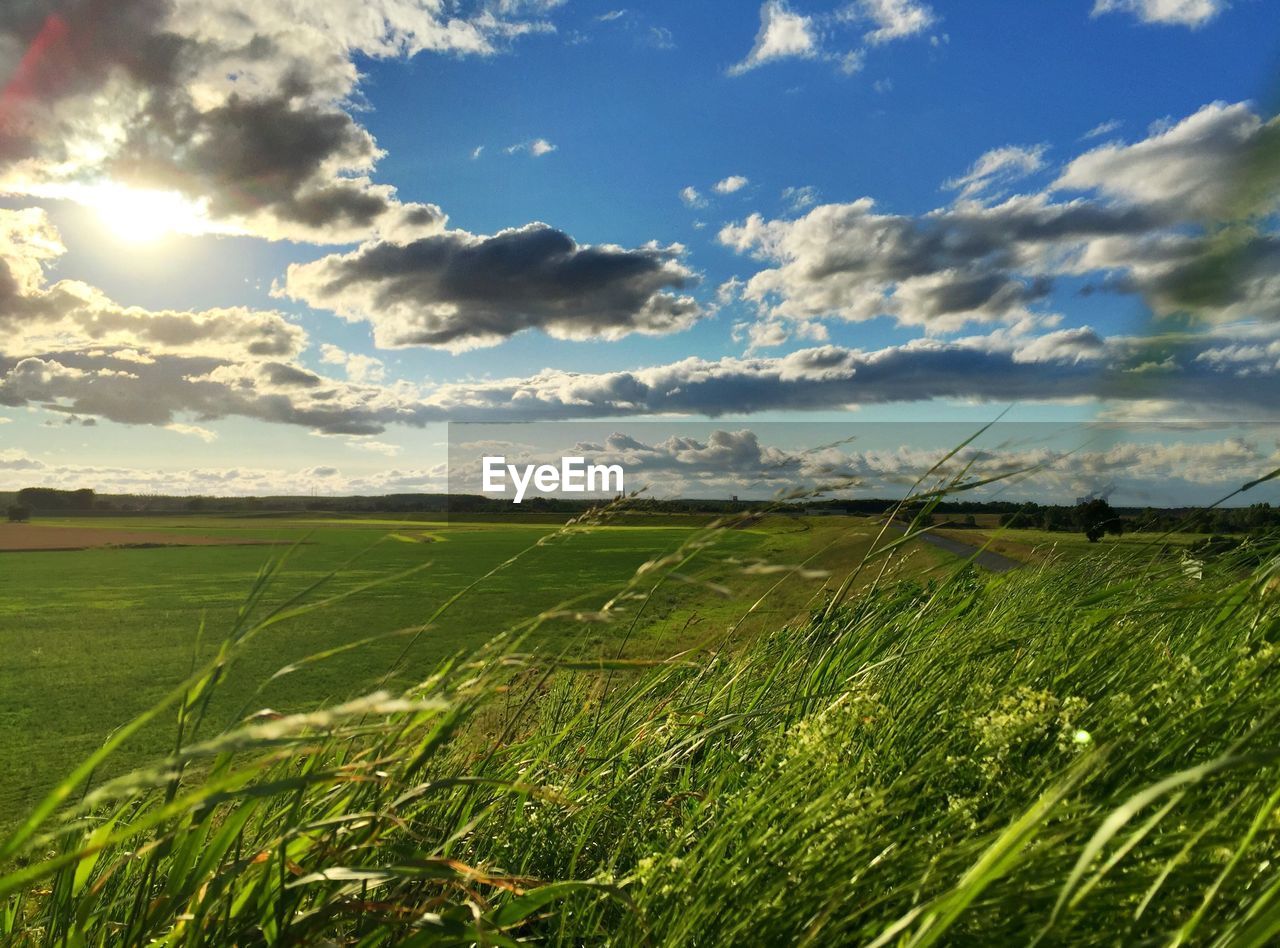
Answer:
(143, 215)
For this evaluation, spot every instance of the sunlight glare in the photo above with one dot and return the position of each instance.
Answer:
(138, 215)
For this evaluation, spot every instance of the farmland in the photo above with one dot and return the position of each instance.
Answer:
(1079, 751)
(93, 636)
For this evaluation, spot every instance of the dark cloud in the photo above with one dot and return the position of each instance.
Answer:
(1224, 373)
(244, 108)
(289, 376)
(1229, 372)
(58, 49)
(458, 290)
(1144, 220)
(167, 389)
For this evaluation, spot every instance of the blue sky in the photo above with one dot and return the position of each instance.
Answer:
(218, 282)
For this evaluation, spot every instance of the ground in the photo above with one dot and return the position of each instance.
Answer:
(93, 636)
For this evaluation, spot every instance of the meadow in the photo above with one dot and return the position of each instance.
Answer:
(93, 637)
(1082, 751)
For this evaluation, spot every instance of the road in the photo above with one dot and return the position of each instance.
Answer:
(987, 559)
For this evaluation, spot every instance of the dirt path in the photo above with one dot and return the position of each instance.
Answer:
(32, 537)
(987, 559)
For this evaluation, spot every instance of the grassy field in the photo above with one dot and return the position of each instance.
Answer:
(1085, 751)
(1042, 546)
(90, 638)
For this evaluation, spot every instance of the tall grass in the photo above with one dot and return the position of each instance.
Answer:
(1078, 753)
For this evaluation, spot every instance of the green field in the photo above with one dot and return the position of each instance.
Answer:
(1044, 546)
(92, 637)
(1080, 751)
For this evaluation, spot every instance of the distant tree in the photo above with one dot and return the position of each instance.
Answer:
(1096, 518)
(19, 513)
(49, 498)
(1021, 519)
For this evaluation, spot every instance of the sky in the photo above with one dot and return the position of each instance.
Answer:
(276, 248)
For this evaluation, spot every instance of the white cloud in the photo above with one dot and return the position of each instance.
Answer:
(692, 197)
(1192, 13)
(194, 431)
(359, 368)
(14, 460)
(798, 199)
(1101, 129)
(534, 147)
(375, 447)
(783, 34)
(786, 34)
(735, 182)
(893, 19)
(659, 37)
(477, 152)
(998, 167)
(1189, 166)
(770, 333)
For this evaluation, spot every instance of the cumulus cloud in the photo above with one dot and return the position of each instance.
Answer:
(1127, 218)
(460, 290)
(242, 109)
(1000, 367)
(692, 197)
(735, 182)
(784, 34)
(68, 348)
(35, 316)
(892, 19)
(169, 389)
(1192, 13)
(1228, 371)
(1201, 164)
(850, 262)
(359, 367)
